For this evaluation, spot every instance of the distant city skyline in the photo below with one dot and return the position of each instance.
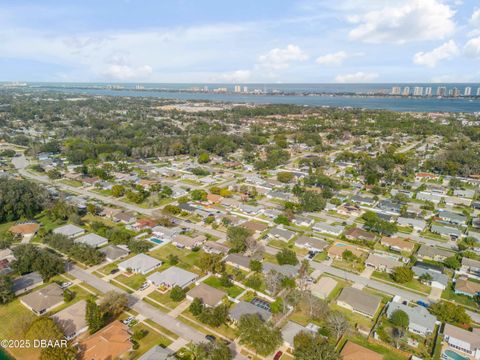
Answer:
(305, 41)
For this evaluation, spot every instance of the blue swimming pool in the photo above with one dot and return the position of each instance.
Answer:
(156, 241)
(452, 355)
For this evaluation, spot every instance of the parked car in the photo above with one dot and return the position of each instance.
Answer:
(128, 320)
(66, 284)
(114, 271)
(144, 286)
(278, 355)
(210, 338)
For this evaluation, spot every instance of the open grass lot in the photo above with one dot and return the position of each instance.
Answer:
(224, 329)
(133, 281)
(47, 223)
(414, 284)
(4, 228)
(354, 267)
(108, 268)
(237, 274)
(152, 339)
(161, 329)
(232, 291)
(188, 260)
(74, 183)
(164, 299)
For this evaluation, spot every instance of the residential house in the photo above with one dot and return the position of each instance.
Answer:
(360, 234)
(452, 217)
(143, 224)
(352, 351)
(255, 226)
(214, 198)
(290, 330)
(428, 196)
(359, 301)
(244, 308)
(466, 287)
(140, 263)
(311, 244)
(416, 224)
(213, 247)
(460, 340)
(111, 342)
(389, 207)
(26, 283)
(187, 242)
(69, 230)
(44, 300)
(165, 233)
(435, 273)
(209, 295)
(124, 217)
(468, 193)
(71, 320)
(173, 276)
(350, 210)
(421, 322)
(92, 240)
(470, 267)
(335, 230)
(363, 200)
(302, 221)
(323, 287)
(382, 263)
(398, 244)
(158, 353)
(290, 271)
(114, 252)
(249, 209)
(281, 234)
(27, 229)
(426, 252)
(336, 250)
(446, 231)
(238, 261)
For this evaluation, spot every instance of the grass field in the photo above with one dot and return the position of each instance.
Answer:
(232, 291)
(134, 281)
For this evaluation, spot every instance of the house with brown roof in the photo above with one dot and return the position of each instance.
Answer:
(124, 217)
(464, 286)
(397, 244)
(109, 343)
(255, 226)
(382, 262)
(352, 351)
(209, 295)
(336, 250)
(238, 261)
(43, 300)
(213, 247)
(187, 242)
(214, 198)
(360, 234)
(25, 229)
(359, 301)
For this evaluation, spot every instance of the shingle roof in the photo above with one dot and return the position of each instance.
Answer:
(360, 300)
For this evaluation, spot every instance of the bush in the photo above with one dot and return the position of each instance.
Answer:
(177, 293)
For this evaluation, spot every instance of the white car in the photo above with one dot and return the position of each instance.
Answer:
(66, 284)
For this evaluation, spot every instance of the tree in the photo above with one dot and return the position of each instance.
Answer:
(259, 335)
(277, 306)
(285, 176)
(203, 158)
(20, 199)
(374, 223)
(450, 313)
(402, 274)
(68, 295)
(400, 319)
(255, 281)
(237, 237)
(6, 289)
(118, 190)
(309, 346)
(93, 316)
(287, 256)
(314, 307)
(198, 195)
(311, 201)
(214, 316)
(211, 351)
(273, 281)
(211, 263)
(173, 259)
(196, 307)
(177, 293)
(281, 219)
(256, 266)
(113, 303)
(452, 262)
(337, 323)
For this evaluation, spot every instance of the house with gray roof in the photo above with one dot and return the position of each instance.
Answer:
(302, 221)
(464, 341)
(426, 252)
(245, 308)
(428, 196)
(286, 270)
(382, 263)
(452, 217)
(363, 200)
(43, 300)
(281, 234)
(158, 353)
(416, 224)
(446, 231)
(437, 278)
(114, 252)
(71, 320)
(209, 295)
(26, 282)
(166, 233)
(310, 243)
(92, 240)
(140, 263)
(421, 322)
(238, 261)
(69, 230)
(359, 301)
(290, 330)
(173, 276)
(470, 267)
(335, 230)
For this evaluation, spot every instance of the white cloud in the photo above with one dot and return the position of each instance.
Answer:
(238, 76)
(334, 59)
(358, 77)
(475, 19)
(280, 59)
(403, 21)
(472, 48)
(126, 72)
(443, 52)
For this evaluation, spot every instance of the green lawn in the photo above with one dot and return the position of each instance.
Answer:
(449, 294)
(414, 284)
(224, 329)
(188, 260)
(108, 268)
(152, 339)
(164, 299)
(232, 291)
(133, 281)
(74, 183)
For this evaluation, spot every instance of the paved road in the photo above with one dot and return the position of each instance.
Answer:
(146, 310)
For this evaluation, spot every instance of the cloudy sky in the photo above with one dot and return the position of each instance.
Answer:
(343, 41)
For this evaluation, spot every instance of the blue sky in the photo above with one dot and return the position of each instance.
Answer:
(243, 41)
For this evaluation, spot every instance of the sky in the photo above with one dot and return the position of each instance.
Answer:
(240, 41)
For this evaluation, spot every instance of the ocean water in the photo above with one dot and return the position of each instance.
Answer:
(334, 95)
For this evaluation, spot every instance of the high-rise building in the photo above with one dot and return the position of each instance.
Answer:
(441, 91)
(455, 92)
(467, 91)
(478, 91)
(396, 90)
(418, 91)
(245, 89)
(406, 91)
(428, 91)
(238, 88)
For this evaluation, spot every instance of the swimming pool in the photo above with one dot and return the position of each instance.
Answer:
(156, 241)
(452, 355)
